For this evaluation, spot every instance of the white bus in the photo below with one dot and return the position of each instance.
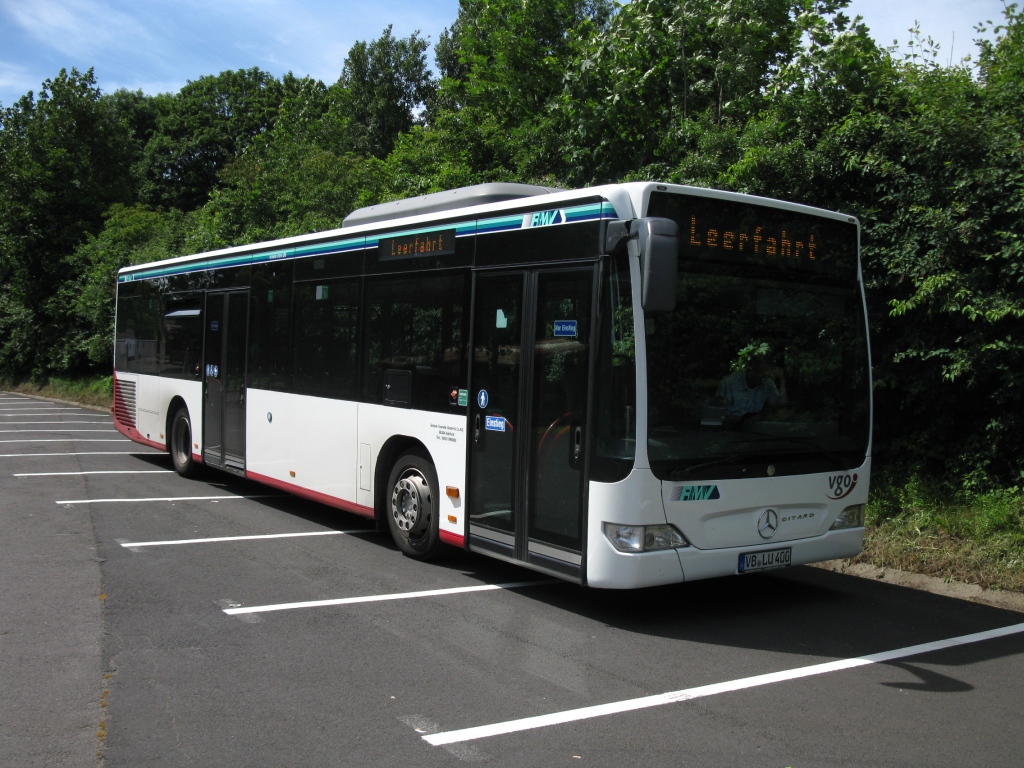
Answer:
(621, 386)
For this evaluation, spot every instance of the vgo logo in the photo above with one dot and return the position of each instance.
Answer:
(841, 486)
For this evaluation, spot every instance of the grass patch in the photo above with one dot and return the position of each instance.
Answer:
(918, 526)
(90, 390)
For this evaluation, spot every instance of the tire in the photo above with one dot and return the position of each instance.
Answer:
(413, 506)
(180, 444)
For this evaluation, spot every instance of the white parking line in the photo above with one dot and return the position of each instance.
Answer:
(39, 408)
(14, 416)
(382, 598)
(73, 440)
(172, 498)
(61, 431)
(629, 705)
(82, 453)
(13, 423)
(98, 472)
(213, 540)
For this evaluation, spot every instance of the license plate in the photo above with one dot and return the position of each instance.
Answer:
(765, 560)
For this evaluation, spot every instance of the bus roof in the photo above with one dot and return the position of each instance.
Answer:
(449, 200)
(481, 201)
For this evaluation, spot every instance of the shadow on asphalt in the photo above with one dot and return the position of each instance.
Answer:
(803, 611)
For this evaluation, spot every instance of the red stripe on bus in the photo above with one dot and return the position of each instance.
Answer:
(133, 434)
(306, 493)
(455, 539)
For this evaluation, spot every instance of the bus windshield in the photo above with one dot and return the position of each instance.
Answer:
(763, 367)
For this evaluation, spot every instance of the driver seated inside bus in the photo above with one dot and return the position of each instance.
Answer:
(751, 385)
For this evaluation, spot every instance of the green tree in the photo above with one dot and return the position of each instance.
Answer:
(503, 63)
(662, 63)
(64, 160)
(929, 158)
(384, 86)
(201, 129)
(130, 235)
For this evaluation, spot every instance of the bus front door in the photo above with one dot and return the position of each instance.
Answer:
(529, 416)
(227, 314)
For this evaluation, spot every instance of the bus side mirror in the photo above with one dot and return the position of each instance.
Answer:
(658, 241)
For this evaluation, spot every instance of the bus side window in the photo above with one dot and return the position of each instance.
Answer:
(270, 307)
(414, 325)
(183, 336)
(325, 339)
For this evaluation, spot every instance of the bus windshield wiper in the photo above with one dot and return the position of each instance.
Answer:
(680, 474)
(807, 442)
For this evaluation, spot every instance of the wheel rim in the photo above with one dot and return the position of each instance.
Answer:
(181, 441)
(410, 503)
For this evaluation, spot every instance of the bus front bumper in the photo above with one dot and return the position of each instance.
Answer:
(609, 568)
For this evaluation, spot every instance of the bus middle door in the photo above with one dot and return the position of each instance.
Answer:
(528, 419)
(227, 317)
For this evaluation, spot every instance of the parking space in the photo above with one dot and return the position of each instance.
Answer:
(159, 620)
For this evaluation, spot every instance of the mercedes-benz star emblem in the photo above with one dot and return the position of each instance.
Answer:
(768, 523)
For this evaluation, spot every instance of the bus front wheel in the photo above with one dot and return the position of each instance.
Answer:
(181, 443)
(413, 506)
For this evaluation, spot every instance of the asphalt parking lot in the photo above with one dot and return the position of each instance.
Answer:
(147, 619)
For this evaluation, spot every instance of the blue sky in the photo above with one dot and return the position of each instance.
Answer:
(158, 45)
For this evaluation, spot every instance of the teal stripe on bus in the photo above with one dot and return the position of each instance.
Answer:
(573, 215)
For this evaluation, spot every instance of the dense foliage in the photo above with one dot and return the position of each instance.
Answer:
(786, 98)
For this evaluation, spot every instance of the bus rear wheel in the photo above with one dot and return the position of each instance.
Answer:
(181, 443)
(413, 506)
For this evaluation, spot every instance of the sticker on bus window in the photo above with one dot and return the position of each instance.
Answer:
(565, 328)
(495, 423)
(482, 398)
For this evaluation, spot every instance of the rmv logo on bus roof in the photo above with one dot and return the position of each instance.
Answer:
(543, 218)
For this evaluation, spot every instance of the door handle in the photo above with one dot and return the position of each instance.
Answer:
(577, 444)
(476, 428)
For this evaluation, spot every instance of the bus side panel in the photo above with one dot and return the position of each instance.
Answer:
(192, 393)
(443, 435)
(307, 442)
(268, 433)
(150, 421)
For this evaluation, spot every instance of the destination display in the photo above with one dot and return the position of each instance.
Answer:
(441, 243)
(726, 231)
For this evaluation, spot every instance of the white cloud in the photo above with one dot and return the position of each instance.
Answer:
(15, 78)
(949, 22)
(158, 45)
(79, 28)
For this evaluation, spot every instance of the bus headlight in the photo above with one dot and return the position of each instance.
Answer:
(644, 538)
(851, 517)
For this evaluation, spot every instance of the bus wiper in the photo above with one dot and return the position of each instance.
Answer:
(806, 441)
(680, 474)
